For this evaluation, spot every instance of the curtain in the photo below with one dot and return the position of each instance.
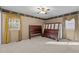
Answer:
(70, 17)
(76, 26)
(6, 33)
(60, 31)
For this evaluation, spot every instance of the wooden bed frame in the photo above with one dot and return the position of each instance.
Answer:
(35, 30)
(52, 33)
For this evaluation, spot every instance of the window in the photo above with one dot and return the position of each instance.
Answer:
(56, 26)
(70, 24)
(52, 27)
(14, 24)
(49, 26)
(46, 26)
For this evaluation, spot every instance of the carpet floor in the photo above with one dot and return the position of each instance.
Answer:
(39, 45)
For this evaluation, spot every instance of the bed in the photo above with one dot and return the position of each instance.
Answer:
(51, 30)
(35, 30)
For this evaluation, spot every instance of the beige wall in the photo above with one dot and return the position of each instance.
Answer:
(60, 19)
(26, 21)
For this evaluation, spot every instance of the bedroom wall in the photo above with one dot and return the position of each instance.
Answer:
(26, 21)
(60, 19)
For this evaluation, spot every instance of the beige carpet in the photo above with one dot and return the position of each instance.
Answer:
(37, 45)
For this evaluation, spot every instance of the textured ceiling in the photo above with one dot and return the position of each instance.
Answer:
(32, 10)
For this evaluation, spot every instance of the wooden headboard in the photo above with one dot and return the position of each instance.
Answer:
(52, 31)
(35, 30)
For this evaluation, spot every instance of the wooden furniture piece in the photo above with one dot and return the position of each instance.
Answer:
(35, 30)
(52, 30)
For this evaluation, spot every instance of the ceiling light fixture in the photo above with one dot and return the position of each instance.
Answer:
(43, 10)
